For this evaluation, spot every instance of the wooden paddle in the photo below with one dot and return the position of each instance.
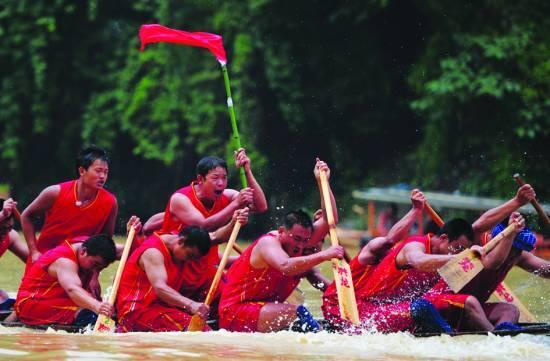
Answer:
(197, 323)
(17, 214)
(342, 272)
(462, 268)
(104, 323)
(542, 214)
(503, 292)
(433, 215)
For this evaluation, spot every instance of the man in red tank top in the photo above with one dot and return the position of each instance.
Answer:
(507, 254)
(77, 208)
(209, 204)
(464, 310)
(366, 260)
(52, 290)
(148, 298)
(9, 239)
(267, 272)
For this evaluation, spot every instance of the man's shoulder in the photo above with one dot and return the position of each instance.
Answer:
(268, 240)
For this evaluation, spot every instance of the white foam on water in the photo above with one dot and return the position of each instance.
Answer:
(223, 345)
(94, 355)
(175, 352)
(8, 352)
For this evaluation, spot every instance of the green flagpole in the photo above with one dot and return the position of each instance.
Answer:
(236, 138)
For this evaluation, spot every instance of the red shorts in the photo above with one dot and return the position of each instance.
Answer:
(61, 311)
(450, 306)
(241, 317)
(157, 318)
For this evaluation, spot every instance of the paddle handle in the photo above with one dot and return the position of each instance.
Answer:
(433, 215)
(112, 297)
(233, 118)
(123, 259)
(238, 248)
(499, 237)
(230, 245)
(328, 208)
(542, 214)
(17, 214)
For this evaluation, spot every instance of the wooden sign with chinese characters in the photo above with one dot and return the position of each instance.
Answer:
(462, 268)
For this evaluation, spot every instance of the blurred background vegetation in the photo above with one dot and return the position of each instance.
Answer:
(444, 95)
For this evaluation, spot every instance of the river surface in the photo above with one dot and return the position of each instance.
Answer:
(24, 344)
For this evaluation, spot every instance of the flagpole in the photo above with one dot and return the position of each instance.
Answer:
(236, 138)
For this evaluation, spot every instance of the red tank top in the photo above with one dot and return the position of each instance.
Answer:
(66, 221)
(359, 274)
(4, 244)
(135, 291)
(248, 284)
(389, 284)
(193, 273)
(38, 284)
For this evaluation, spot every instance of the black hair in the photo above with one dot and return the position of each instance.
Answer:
(194, 236)
(456, 228)
(87, 156)
(208, 163)
(2, 200)
(297, 217)
(101, 245)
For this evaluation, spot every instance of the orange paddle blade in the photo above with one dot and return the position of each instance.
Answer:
(196, 324)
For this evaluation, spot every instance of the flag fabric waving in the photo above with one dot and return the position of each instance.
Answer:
(155, 33)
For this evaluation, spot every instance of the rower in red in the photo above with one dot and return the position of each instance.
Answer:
(76, 208)
(259, 282)
(209, 204)
(53, 291)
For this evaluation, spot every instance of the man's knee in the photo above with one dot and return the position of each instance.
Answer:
(508, 311)
(472, 305)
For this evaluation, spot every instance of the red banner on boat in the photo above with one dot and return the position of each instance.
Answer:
(155, 33)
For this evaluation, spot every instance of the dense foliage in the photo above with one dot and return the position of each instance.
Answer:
(442, 94)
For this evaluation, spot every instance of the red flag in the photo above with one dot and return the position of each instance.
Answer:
(155, 33)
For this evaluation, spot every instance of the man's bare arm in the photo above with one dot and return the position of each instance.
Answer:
(414, 255)
(533, 264)
(496, 215)
(153, 224)
(38, 207)
(495, 258)
(66, 272)
(18, 247)
(259, 204)
(221, 235)
(317, 279)
(274, 256)
(182, 208)
(152, 262)
(109, 227)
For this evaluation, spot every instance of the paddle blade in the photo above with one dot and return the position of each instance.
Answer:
(196, 324)
(345, 290)
(505, 294)
(104, 324)
(461, 269)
